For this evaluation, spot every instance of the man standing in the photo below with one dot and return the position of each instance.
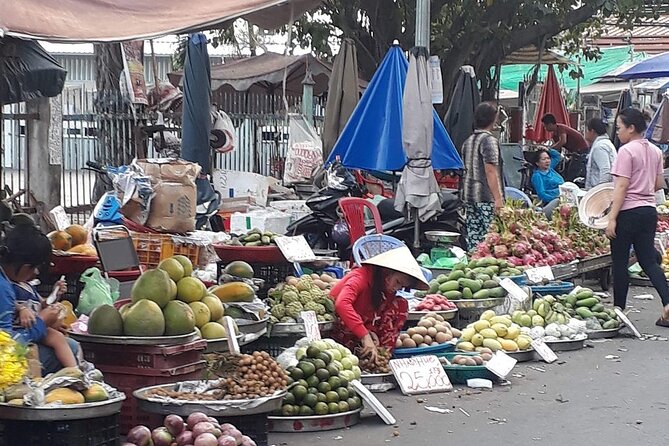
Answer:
(572, 141)
(602, 154)
(482, 187)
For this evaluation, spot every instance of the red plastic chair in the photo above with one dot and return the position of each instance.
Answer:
(354, 215)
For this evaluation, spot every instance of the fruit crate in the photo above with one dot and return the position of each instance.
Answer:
(99, 431)
(144, 356)
(127, 380)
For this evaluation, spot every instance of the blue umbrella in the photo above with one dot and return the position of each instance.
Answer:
(656, 66)
(372, 139)
(197, 104)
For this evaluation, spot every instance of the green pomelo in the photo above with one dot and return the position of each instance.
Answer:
(144, 318)
(105, 320)
(172, 267)
(153, 285)
(179, 318)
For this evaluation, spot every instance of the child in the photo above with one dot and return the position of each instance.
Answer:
(24, 249)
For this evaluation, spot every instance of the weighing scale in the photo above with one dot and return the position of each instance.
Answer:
(443, 242)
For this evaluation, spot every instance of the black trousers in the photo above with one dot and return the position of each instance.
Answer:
(636, 227)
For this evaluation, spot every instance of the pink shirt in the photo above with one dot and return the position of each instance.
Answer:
(641, 162)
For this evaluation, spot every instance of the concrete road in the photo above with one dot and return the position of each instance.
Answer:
(583, 399)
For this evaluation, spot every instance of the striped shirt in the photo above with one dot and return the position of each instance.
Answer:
(480, 149)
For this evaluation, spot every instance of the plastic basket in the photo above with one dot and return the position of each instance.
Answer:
(99, 431)
(152, 248)
(73, 289)
(271, 274)
(459, 374)
(127, 380)
(557, 288)
(144, 356)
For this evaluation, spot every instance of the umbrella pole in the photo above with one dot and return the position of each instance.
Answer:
(416, 230)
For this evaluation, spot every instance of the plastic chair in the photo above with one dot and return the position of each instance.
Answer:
(517, 194)
(354, 214)
(374, 244)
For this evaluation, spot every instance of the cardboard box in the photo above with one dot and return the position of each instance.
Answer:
(264, 220)
(173, 205)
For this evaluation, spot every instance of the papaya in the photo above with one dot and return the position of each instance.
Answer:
(584, 312)
(434, 286)
(234, 292)
(65, 396)
(597, 308)
(442, 278)
(492, 344)
(483, 277)
(584, 294)
(473, 285)
(95, 393)
(239, 268)
(459, 266)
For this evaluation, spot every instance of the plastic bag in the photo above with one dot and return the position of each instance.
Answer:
(223, 136)
(97, 291)
(305, 151)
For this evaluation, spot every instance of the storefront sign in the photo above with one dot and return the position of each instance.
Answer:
(420, 374)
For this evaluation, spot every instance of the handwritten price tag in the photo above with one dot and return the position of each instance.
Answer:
(420, 374)
(537, 275)
(233, 345)
(295, 249)
(544, 351)
(311, 325)
(501, 364)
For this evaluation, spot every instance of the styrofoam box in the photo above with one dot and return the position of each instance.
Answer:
(295, 208)
(274, 221)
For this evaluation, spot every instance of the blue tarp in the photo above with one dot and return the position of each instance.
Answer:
(197, 104)
(372, 138)
(653, 67)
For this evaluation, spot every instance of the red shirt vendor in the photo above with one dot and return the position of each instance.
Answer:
(370, 314)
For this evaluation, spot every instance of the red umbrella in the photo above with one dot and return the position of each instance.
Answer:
(551, 102)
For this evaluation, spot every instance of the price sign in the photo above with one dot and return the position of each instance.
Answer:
(623, 317)
(295, 249)
(514, 290)
(233, 345)
(501, 364)
(420, 374)
(537, 275)
(311, 325)
(60, 218)
(546, 353)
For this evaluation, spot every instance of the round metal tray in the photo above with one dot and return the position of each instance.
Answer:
(184, 408)
(286, 329)
(446, 314)
(523, 355)
(477, 304)
(314, 423)
(220, 345)
(436, 270)
(249, 327)
(63, 412)
(602, 334)
(133, 340)
(368, 379)
(565, 346)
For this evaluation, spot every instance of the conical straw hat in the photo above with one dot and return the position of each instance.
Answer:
(400, 259)
(595, 206)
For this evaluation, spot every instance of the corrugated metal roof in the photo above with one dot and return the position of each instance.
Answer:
(647, 28)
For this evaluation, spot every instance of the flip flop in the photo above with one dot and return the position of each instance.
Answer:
(662, 322)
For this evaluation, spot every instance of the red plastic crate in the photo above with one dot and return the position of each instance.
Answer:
(143, 356)
(127, 380)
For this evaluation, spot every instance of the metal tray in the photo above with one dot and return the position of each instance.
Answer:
(446, 314)
(220, 345)
(133, 340)
(377, 378)
(523, 355)
(290, 329)
(478, 304)
(601, 334)
(436, 271)
(64, 412)
(315, 423)
(249, 327)
(565, 346)
(184, 408)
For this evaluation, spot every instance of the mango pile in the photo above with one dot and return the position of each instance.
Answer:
(476, 280)
(587, 307)
(494, 333)
(289, 299)
(545, 310)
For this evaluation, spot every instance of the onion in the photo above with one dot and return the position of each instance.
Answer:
(206, 439)
(203, 427)
(174, 424)
(139, 435)
(161, 436)
(247, 441)
(226, 440)
(194, 418)
(185, 438)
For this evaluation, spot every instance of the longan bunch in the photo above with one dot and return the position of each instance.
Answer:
(256, 375)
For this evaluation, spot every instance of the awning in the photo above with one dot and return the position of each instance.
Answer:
(266, 72)
(27, 71)
(530, 55)
(118, 20)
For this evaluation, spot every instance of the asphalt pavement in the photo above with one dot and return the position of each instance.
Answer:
(582, 399)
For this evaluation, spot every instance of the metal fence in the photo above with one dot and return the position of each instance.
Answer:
(106, 130)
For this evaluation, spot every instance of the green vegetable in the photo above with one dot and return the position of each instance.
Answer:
(497, 292)
(451, 285)
(473, 285)
(453, 295)
(584, 294)
(589, 302)
(456, 274)
(584, 312)
(482, 294)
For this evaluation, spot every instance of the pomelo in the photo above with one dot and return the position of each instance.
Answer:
(144, 318)
(179, 318)
(213, 330)
(153, 285)
(172, 267)
(186, 264)
(215, 306)
(190, 289)
(105, 320)
(78, 233)
(201, 312)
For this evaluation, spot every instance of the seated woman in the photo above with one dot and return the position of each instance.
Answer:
(370, 314)
(546, 181)
(24, 249)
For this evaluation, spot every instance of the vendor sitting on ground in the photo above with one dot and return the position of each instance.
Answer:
(370, 314)
(24, 250)
(546, 181)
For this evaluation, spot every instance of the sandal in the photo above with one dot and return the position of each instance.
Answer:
(662, 322)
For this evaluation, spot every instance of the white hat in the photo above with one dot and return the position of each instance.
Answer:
(595, 206)
(401, 260)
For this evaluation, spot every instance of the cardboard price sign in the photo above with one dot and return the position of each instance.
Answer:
(233, 345)
(311, 325)
(420, 374)
(537, 275)
(546, 353)
(501, 364)
(295, 249)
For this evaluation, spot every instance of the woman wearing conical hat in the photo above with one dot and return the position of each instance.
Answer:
(370, 313)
